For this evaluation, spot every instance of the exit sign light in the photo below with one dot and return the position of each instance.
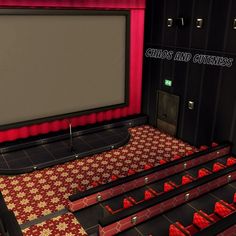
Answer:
(168, 82)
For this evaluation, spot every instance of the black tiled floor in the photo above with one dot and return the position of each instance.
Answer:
(59, 151)
(3, 164)
(39, 154)
(91, 219)
(223, 160)
(89, 138)
(115, 203)
(131, 232)
(19, 163)
(38, 159)
(194, 171)
(137, 194)
(158, 226)
(81, 147)
(183, 214)
(205, 203)
(108, 133)
(209, 165)
(34, 150)
(233, 184)
(14, 155)
(158, 186)
(177, 179)
(97, 143)
(56, 145)
(225, 193)
(113, 139)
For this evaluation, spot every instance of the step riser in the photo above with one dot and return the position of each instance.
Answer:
(228, 232)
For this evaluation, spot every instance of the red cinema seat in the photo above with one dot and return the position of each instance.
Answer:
(148, 166)
(176, 157)
(188, 153)
(81, 188)
(109, 209)
(217, 167)
(114, 177)
(203, 147)
(235, 198)
(214, 144)
(148, 195)
(127, 203)
(203, 172)
(95, 183)
(168, 186)
(177, 229)
(231, 161)
(223, 209)
(161, 162)
(131, 172)
(187, 179)
(201, 219)
(154, 193)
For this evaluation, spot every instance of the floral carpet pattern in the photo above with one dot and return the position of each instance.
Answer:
(65, 225)
(42, 192)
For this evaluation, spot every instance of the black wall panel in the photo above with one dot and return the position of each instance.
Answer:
(189, 124)
(207, 105)
(218, 22)
(157, 29)
(212, 88)
(202, 10)
(231, 33)
(183, 33)
(171, 11)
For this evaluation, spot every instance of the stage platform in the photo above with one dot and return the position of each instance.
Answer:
(52, 153)
(49, 150)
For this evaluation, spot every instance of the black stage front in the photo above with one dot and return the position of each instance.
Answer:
(48, 154)
(34, 153)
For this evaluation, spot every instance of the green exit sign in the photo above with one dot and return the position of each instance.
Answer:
(168, 82)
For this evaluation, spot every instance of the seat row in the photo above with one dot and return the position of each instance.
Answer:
(202, 220)
(135, 178)
(169, 185)
(148, 166)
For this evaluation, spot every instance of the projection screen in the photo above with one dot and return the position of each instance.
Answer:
(55, 64)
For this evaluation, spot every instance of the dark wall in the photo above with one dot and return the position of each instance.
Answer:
(212, 88)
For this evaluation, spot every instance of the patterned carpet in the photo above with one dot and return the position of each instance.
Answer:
(39, 193)
(65, 225)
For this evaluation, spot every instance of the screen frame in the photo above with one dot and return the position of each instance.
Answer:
(68, 12)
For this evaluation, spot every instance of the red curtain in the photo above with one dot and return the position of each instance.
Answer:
(104, 4)
(136, 8)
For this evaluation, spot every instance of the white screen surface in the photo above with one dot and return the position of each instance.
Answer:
(58, 64)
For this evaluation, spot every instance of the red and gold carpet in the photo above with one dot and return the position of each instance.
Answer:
(41, 192)
(65, 225)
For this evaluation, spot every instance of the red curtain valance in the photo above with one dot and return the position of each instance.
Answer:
(136, 8)
(95, 4)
